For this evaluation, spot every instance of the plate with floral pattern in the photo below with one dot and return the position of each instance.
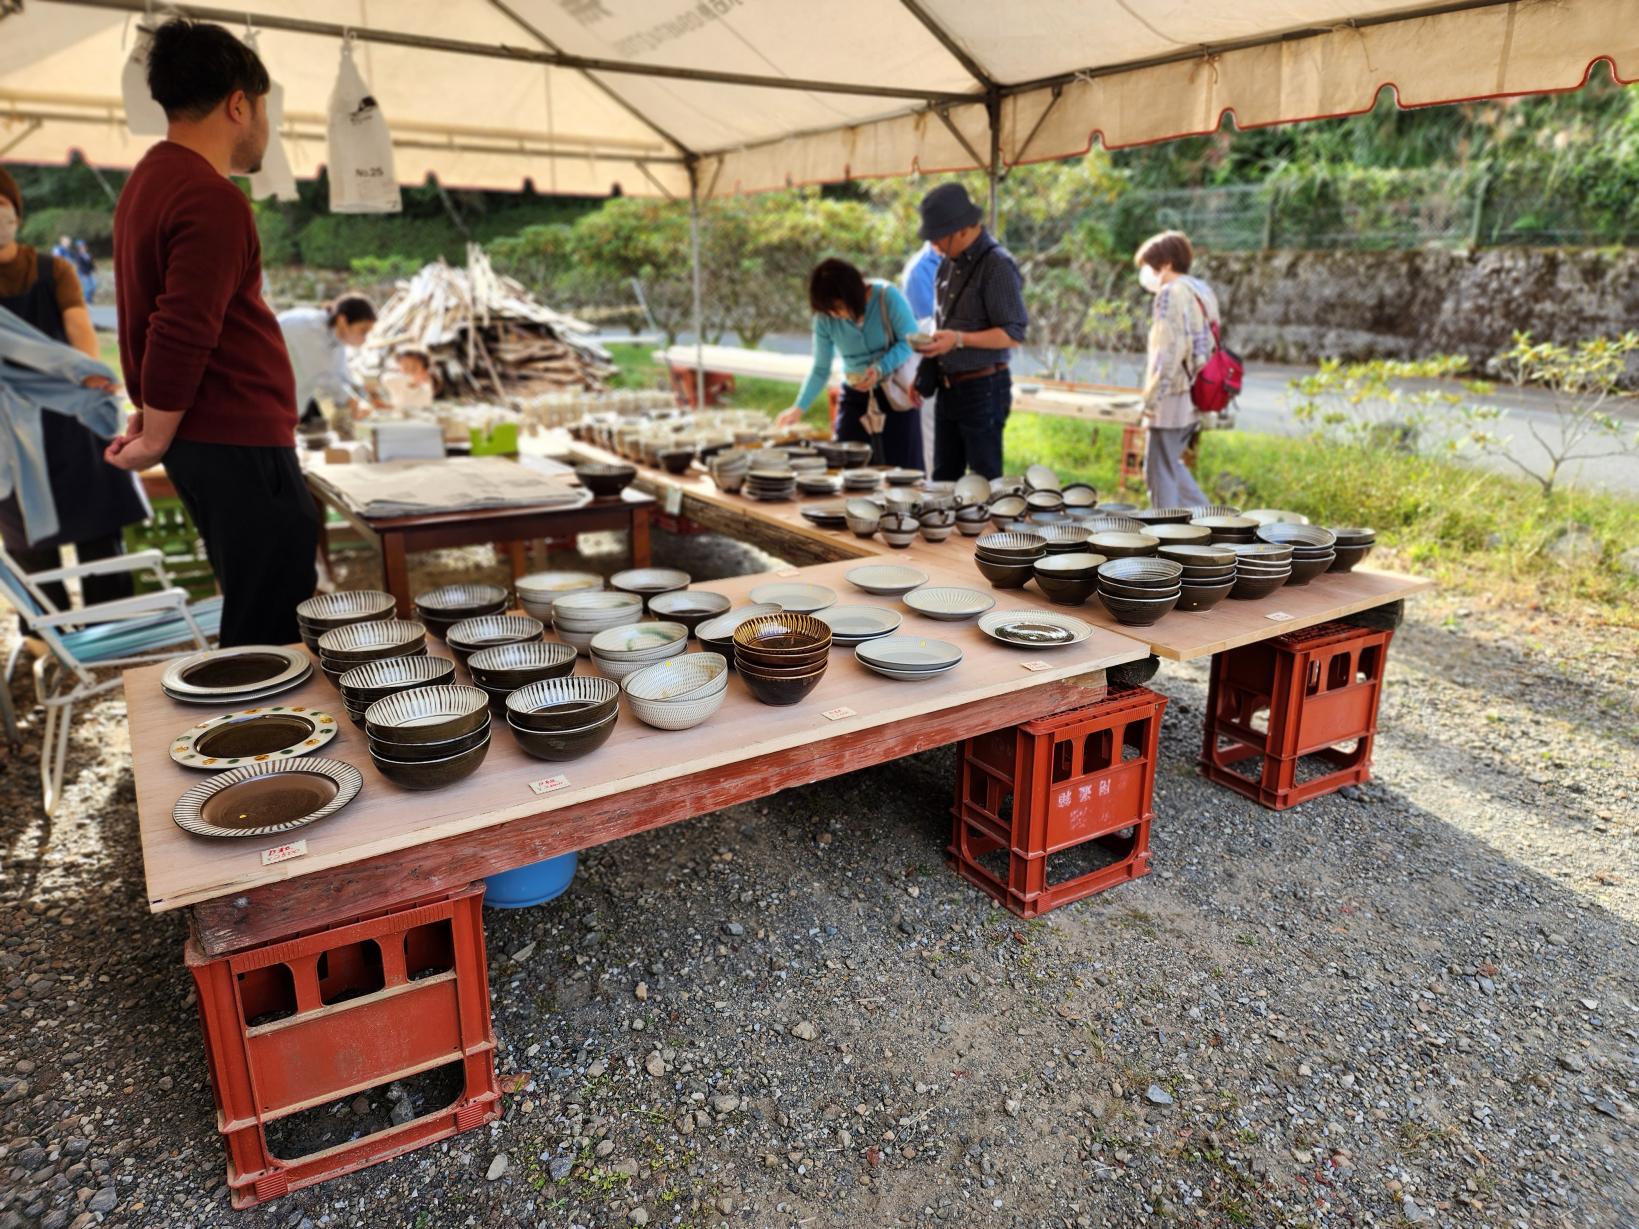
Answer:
(253, 736)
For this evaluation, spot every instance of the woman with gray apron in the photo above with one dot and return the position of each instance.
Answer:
(94, 500)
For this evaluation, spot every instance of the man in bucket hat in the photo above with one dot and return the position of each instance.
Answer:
(980, 316)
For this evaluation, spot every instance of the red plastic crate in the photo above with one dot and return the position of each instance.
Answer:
(1316, 692)
(301, 1023)
(1068, 788)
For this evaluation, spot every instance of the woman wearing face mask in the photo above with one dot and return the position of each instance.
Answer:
(94, 500)
(1180, 344)
(318, 339)
(866, 323)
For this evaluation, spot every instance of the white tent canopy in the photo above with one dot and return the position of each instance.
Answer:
(750, 95)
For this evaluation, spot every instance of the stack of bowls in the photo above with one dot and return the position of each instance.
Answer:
(782, 657)
(1007, 560)
(442, 608)
(1064, 539)
(898, 529)
(471, 635)
(647, 582)
(1068, 579)
(862, 517)
(1044, 501)
(501, 670)
(843, 454)
(1123, 544)
(618, 651)
(1260, 569)
(429, 737)
(538, 590)
(972, 519)
(1314, 549)
(1227, 528)
(328, 611)
(1137, 592)
(717, 635)
(861, 479)
(819, 484)
(1113, 522)
(1209, 573)
(563, 718)
(769, 483)
(579, 616)
(1162, 516)
(605, 480)
(690, 607)
(1353, 545)
(680, 692)
(728, 469)
(363, 685)
(342, 648)
(937, 524)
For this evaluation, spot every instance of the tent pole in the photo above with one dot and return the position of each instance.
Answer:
(993, 172)
(699, 313)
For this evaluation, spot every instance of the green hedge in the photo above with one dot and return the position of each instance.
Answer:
(41, 227)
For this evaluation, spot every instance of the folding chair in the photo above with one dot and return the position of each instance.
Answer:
(131, 631)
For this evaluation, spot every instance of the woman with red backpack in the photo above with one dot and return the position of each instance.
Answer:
(1186, 372)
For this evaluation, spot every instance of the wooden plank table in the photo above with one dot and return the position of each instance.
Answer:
(393, 844)
(395, 538)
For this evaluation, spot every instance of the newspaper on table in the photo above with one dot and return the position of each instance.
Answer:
(418, 488)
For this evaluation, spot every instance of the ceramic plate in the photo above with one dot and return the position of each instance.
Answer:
(649, 580)
(241, 697)
(795, 597)
(229, 673)
(1034, 629)
(267, 799)
(903, 477)
(912, 653)
(949, 602)
(722, 627)
(852, 624)
(906, 676)
(885, 579)
(254, 736)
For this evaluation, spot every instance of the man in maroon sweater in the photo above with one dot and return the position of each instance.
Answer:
(204, 359)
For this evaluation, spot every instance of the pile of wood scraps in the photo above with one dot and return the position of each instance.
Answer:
(486, 334)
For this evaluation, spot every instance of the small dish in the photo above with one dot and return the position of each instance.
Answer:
(267, 799)
(949, 602)
(853, 624)
(255, 736)
(885, 579)
(794, 596)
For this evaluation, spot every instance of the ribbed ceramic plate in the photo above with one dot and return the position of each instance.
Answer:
(254, 736)
(852, 624)
(1034, 629)
(949, 602)
(649, 580)
(226, 674)
(912, 653)
(885, 579)
(267, 799)
(794, 596)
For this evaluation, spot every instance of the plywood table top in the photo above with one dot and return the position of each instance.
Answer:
(183, 869)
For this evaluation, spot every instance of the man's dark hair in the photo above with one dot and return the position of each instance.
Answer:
(352, 308)
(836, 283)
(194, 65)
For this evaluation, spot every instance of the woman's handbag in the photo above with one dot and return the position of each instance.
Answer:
(901, 387)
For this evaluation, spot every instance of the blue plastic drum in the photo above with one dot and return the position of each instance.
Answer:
(531, 885)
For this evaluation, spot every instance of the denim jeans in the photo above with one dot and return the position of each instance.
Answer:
(968, 419)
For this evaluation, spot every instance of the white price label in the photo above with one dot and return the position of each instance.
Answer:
(549, 784)
(283, 853)
(1279, 616)
(674, 500)
(788, 572)
(1036, 665)
(837, 714)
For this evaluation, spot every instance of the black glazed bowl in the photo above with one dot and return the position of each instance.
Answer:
(431, 774)
(604, 480)
(570, 744)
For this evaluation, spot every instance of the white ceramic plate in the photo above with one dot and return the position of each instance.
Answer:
(907, 676)
(885, 579)
(1034, 629)
(241, 697)
(332, 784)
(852, 624)
(722, 627)
(795, 597)
(649, 580)
(254, 736)
(914, 653)
(949, 603)
(260, 668)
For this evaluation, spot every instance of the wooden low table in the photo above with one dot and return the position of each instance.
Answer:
(396, 537)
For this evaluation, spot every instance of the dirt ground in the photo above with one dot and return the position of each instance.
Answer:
(1415, 1004)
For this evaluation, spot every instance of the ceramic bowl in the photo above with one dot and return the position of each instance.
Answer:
(427, 714)
(1287, 534)
(617, 668)
(1191, 555)
(325, 611)
(566, 744)
(1137, 612)
(471, 635)
(1066, 591)
(779, 690)
(357, 643)
(649, 581)
(562, 703)
(640, 641)
(1203, 597)
(604, 480)
(453, 603)
(677, 460)
(594, 609)
(689, 607)
(1305, 570)
(970, 528)
(680, 679)
(1072, 565)
(1007, 508)
(1349, 556)
(1251, 588)
(1197, 534)
(441, 749)
(1005, 575)
(1162, 516)
(1123, 545)
(432, 774)
(1142, 573)
(1117, 589)
(1016, 546)
(510, 666)
(782, 635)
(377, 680)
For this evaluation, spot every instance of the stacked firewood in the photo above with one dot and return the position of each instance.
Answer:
(486, 334)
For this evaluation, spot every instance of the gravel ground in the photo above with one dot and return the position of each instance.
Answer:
(1412, 1005)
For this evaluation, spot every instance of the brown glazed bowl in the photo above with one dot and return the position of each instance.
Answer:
(569, 744)
(782, 635)
(511, 666)
(605, 480)
(1004, 575)
(780, 691)
(563, 704)
(1203, 597)
(1066, 591)
(429, 751)
(431, 774)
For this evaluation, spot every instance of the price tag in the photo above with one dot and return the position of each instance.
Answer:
(1279, 616)
(837, 714)
(1036, 665)
(283, 853)
(674, 500)
(549, 784)
(788, 572)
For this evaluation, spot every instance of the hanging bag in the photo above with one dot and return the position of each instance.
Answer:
(361, 147)
(1219, 381)
(899, 386)
(275, 179)
(143, 116)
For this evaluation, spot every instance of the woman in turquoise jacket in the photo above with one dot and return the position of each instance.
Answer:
(849, 320)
